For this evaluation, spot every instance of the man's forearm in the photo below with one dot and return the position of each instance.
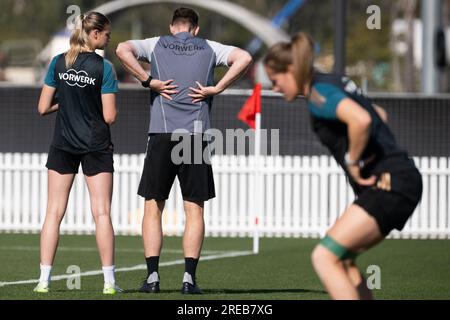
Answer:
(132, 65)
(235, 72)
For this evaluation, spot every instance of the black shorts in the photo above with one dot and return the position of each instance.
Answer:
(92, 163)
(392, 209)
(194, 173)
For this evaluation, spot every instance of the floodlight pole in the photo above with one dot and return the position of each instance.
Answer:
(431, 17)
(340, 9)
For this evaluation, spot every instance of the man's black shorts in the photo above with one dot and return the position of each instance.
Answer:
(92, 163)
(193, 170)
(392, 209)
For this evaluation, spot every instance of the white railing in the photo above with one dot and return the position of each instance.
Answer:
(300, 197)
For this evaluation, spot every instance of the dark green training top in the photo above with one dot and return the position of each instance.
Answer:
(80, 126)
(385, 155)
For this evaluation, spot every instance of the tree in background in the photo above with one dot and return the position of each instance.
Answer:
(370, 53)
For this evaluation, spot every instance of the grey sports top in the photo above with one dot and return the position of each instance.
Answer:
(186, 59)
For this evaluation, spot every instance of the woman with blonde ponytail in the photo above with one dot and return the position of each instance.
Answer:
(85, 85)
(385, 180)
(78, 41)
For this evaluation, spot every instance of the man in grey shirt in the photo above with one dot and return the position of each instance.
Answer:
(182, 88)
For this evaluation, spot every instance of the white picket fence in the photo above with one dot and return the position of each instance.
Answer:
(298, 197)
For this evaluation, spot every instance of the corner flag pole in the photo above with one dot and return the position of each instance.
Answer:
(251, 114)
(258, 183)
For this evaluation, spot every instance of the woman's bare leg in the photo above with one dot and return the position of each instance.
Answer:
(358, 280)
(356, 230)
(100, 193)
(59, 186)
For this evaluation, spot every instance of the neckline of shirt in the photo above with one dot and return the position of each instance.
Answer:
(184, 35)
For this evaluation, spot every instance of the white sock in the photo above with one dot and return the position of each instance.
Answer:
(153, 277)
(188, 278)
(108, 274)
(45, 273)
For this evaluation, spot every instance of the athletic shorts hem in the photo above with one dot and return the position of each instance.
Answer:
(88, 174)
(94, 173)
(60, 171)
(159, 172)
(150, 198)
(92, 163)
(191, 199)
(389, 209)
(380, 224)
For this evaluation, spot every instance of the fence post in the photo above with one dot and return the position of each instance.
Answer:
(444, 208)
(244, 207)
(2, 197)
(424, 218)
(34, 195)
(17, 186)
(278, 196)
(43, 189)
(8, 191)
(433, 213)
(306, 196)
(224, 198)
(287, 197)
(25, 193)
(296, 192)
(315, 196)
(233, 194)
(115, 205)
(324, 194)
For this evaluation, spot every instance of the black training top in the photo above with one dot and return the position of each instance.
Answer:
(382, 153)
(80, 126)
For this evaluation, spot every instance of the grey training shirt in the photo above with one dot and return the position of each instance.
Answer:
(186, 59)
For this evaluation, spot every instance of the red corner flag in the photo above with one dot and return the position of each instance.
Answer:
(251, 107)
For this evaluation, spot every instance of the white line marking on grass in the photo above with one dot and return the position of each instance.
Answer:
(229, 254)
(94, 249)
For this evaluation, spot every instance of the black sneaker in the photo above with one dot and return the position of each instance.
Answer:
(152, 287)
(151, 283)
(189, 288)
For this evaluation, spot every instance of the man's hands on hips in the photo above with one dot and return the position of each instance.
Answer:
(164, 88)
(201, 93)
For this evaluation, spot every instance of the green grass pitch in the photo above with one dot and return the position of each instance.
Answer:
(410, 269)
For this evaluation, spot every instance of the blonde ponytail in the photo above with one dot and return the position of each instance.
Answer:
(303, 60)
(79, 40)
(299, 54)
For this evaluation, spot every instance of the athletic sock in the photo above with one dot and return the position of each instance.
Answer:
(152, 265)
(108, 274)
(190, 266)
(45, 273)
